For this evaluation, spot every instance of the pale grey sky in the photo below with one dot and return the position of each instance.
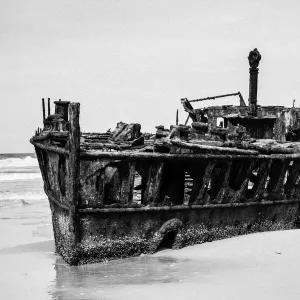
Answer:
(133, 60)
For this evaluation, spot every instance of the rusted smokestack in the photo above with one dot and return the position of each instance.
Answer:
(254, 59)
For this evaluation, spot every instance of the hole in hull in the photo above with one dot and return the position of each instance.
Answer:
(137, 188)
(168, 241)
(188, 185)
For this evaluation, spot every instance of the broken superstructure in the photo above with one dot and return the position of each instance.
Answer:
(121, 193)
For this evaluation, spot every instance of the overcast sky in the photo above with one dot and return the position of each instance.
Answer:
(133, 60)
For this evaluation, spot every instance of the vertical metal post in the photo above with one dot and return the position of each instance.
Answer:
(254, 59)
(43, 104)
(48, 106)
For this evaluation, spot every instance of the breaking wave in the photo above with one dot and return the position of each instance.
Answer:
(17, 162)
(19, 176)
(14, 168)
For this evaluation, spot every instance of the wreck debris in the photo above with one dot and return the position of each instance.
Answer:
(120, 193)
(242, 102)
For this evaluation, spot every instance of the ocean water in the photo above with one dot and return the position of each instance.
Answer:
(24, 209)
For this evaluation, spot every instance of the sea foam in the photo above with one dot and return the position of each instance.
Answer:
(17, 168)
(16, 162)
(19, 176)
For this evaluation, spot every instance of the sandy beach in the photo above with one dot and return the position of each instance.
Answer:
(257, 266)
(155, 123)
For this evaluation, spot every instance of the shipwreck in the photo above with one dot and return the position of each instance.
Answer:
(234, 170)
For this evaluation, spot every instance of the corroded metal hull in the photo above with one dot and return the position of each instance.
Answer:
(181, 199)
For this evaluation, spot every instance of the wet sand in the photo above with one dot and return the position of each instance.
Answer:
(257, 266)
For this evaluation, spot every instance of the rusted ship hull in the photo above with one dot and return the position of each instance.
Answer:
(184, 199)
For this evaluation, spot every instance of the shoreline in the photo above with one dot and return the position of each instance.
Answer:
(255, 266)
